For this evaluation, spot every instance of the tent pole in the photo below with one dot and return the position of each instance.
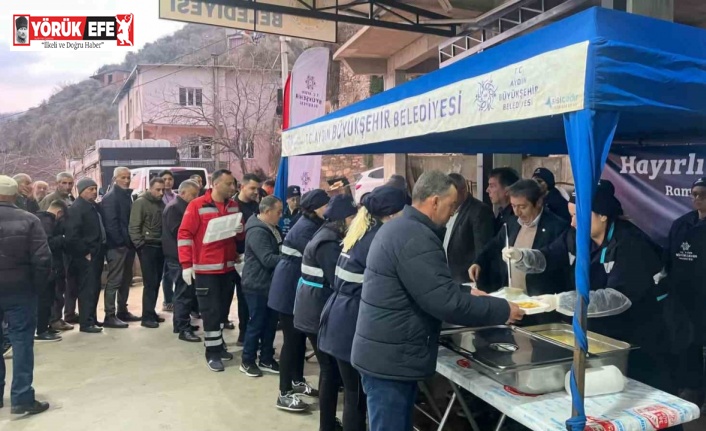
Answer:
(579, 358)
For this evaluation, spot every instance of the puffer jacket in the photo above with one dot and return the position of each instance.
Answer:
(318, 273)
(25, 258)
(117, 206)
(338, 320)
(146, 221)
(54, 230)
(407, 292)
(262, 254)
(289, 269)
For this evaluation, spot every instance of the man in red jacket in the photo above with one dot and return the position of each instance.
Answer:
(211, 264)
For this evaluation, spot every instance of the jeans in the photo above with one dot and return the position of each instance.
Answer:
(291, 367)
(168, 281)
(152, 263)
(390, 403)
(120, 262)
(184, 296)
(355, 405)
(211, 292)
(329, 382)
(89, 276)
(262, 328)
(20, 314)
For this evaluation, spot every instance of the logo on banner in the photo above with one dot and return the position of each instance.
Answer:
(75, 32)
(686, 254)
(310, 83)
(487, 91)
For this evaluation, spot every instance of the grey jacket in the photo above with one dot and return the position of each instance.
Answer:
(262, 253)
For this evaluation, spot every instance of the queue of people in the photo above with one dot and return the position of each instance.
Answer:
(367, 285)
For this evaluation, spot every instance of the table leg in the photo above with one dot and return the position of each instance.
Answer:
(447, 412)
(466, 410)
(424, 388)
(501, 422)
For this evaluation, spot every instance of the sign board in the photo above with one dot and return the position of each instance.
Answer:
(205, 12)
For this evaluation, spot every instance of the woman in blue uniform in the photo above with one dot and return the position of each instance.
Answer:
(624, 297)
(318, 269)
(340, 314)
(281, 299)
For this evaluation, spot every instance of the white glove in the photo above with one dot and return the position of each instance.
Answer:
(551, 300)
(239, 228)
(188, 276)
(512, 254)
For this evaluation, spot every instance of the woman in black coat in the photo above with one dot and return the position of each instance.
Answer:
(318, 269)
(281, 299)
(339, 317)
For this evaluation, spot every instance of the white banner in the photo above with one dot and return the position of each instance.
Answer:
(307, 103)
(547, 84)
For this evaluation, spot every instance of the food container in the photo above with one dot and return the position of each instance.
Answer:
(522, 359)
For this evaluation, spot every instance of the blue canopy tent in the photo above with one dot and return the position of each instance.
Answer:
(575, 86)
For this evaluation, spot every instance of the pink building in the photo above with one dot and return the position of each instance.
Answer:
(218, 116)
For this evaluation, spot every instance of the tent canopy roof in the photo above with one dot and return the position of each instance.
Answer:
(652, 72)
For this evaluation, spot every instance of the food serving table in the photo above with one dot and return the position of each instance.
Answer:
(638, 408)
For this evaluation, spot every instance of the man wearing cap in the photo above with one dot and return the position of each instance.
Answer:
(685, 265)
(552, 197)
(291, 212)
(25, 264)
(21, 27)
(25, 197)
(86, 239)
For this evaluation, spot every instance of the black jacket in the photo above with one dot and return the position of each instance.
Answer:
(506, 215)
(25, 258)
(407, 292)
(262, 253)
(474, 228)
(83, 229)
(318, 273)
(171, 220)
(116, 206)
(289, 269)
(289, 219)
(248, 209)
(54, 230)
(27, 204)
(557, 204)
(685, 263)
(340, 315)
(493, 274)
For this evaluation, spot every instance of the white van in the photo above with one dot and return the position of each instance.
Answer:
(141, 177)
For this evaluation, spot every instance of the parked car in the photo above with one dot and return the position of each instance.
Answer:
(366, 181)
(141, 177)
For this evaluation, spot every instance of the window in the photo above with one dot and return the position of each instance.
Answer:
(190, 97)
(110, 79)
(197, 147)
(377, 174)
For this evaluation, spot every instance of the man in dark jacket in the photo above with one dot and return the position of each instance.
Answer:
(51, 223)
(86, 239)
(145, 230)
(116, 206)
(535, 227)
(292, 212)
(468, 231)
(25, 197)
(184, 294)
(553, 200)
(499, 181)
(25, 264)
(262, 253)
(407, 292)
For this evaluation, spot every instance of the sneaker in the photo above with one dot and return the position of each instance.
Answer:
(6, 350)
(291, 403)
(272, 368)
(47, 337)
(225, 356)
(169, 308)
(215, 364)
(304, 388)
(250, 370)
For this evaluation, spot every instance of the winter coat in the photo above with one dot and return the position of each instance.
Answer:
(146, 221)
(289, 269)
(54, 196)
(473, 229)
(289, 219)
(318, 273)
(217, 257)
(84, 229)
(407, 292)
(339, 317)
(506, 215)
(171, 220)
(493, 274)
(556, 203)
(262, 254)
(54, 230)
(25, 258)
(27, 204)
(116, 206)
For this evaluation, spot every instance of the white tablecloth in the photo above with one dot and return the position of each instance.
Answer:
(638, 408)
